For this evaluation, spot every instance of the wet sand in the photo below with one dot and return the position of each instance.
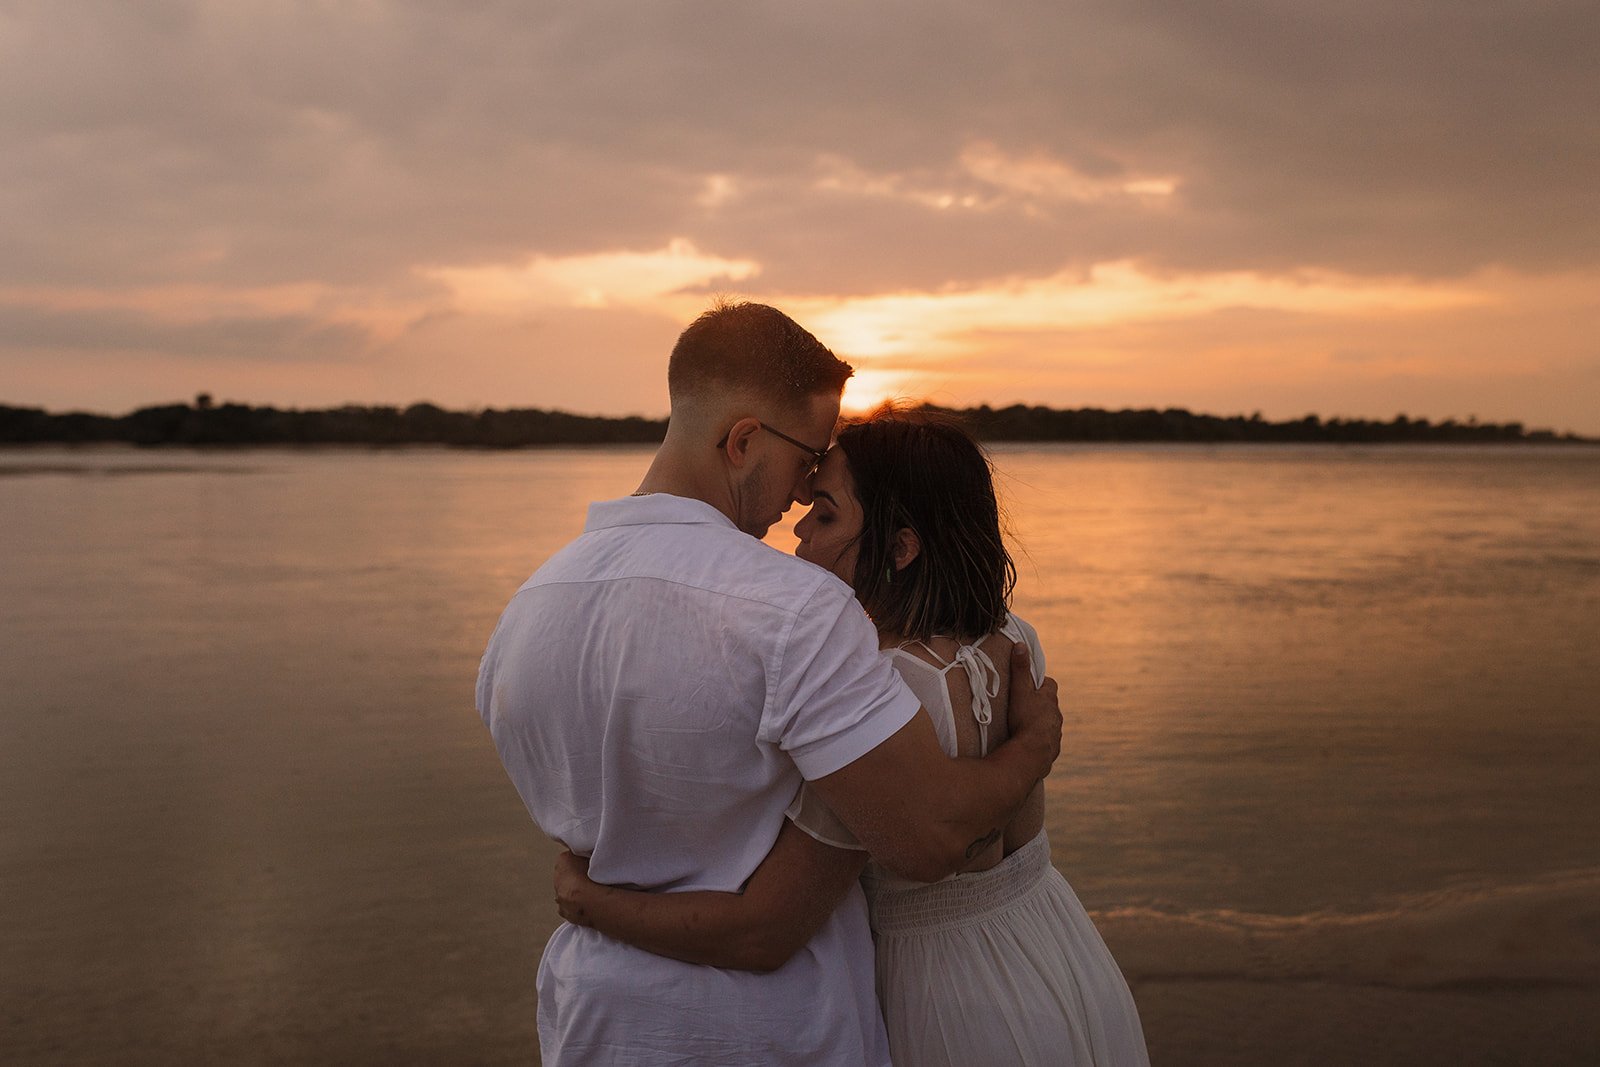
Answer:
(1473, 977)
(320, 937)
(1188, 1024)
(330, 895)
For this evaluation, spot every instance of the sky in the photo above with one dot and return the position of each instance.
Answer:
(1357, 209)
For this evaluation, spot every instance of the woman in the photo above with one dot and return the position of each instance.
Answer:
(999, 964)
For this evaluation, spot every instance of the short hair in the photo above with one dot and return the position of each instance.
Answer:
(922, 470)
(754, 347)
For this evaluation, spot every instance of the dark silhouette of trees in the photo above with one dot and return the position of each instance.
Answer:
(1021, 423)
(238, 424)
(207, 423)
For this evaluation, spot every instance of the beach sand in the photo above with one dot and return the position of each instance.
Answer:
(382, 962)
(364, 887)
(1317, 1024)
(1472, 977)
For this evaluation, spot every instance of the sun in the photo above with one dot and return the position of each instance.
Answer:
(866, 389)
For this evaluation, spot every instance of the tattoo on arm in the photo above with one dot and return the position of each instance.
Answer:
(983, 842)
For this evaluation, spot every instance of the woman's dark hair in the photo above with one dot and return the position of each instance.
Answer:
(922, 470)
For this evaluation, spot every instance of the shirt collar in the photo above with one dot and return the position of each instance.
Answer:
(654, 508)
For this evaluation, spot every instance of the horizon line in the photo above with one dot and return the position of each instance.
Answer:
(204, 401)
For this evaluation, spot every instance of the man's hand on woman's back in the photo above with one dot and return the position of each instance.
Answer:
(922, 813)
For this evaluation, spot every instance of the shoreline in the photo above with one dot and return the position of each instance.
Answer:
(232, 424)
(347, 447)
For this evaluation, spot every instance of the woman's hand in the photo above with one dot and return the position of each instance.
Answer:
(783, 905)
(573, 888)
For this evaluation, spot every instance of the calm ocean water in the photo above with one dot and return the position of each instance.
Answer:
(1330, 713)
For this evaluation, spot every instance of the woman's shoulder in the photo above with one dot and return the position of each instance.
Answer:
(924, 676)
(938, 654)
(1019, 629)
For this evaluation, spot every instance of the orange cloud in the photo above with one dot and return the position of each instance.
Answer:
(657, 278)
(943, 324)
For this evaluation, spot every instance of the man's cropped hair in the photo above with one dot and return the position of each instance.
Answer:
(756, 348)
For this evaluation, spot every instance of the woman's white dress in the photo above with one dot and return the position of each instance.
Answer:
(995, 967)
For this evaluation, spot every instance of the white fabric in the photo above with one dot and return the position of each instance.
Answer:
(656, 691)
(996, 967)
(983, 678)
(927, 681)
(1000, 967)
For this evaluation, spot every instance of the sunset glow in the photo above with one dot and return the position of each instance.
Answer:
(948, 324)
(1123, 210)
(654, 279)
(870, 387)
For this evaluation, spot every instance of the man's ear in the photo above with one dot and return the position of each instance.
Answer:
(907, 547)
(736, 446)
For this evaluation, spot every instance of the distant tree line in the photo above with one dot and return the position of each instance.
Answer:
(206, 423)
(1021, 423)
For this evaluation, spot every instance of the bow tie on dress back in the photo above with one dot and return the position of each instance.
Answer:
(984, 678)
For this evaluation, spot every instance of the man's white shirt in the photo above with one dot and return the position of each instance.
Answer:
(657, 692)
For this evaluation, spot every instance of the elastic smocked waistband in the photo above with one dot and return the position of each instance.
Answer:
(964, 899)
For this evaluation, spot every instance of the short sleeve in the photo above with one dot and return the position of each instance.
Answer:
(811, 814)
(834, 698)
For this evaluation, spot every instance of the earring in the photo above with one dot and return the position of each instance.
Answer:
(888, 575)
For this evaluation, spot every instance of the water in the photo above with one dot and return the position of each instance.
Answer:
(1318, 679)
(1332, 735)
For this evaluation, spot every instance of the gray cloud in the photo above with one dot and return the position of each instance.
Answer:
(281, 339)
(245, 144)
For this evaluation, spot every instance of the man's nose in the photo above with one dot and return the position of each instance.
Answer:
(802, 490)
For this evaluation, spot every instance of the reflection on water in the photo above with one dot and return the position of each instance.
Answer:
(243, 790)
(1303, 679)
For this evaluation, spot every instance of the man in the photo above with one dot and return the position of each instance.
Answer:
(659, 689)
